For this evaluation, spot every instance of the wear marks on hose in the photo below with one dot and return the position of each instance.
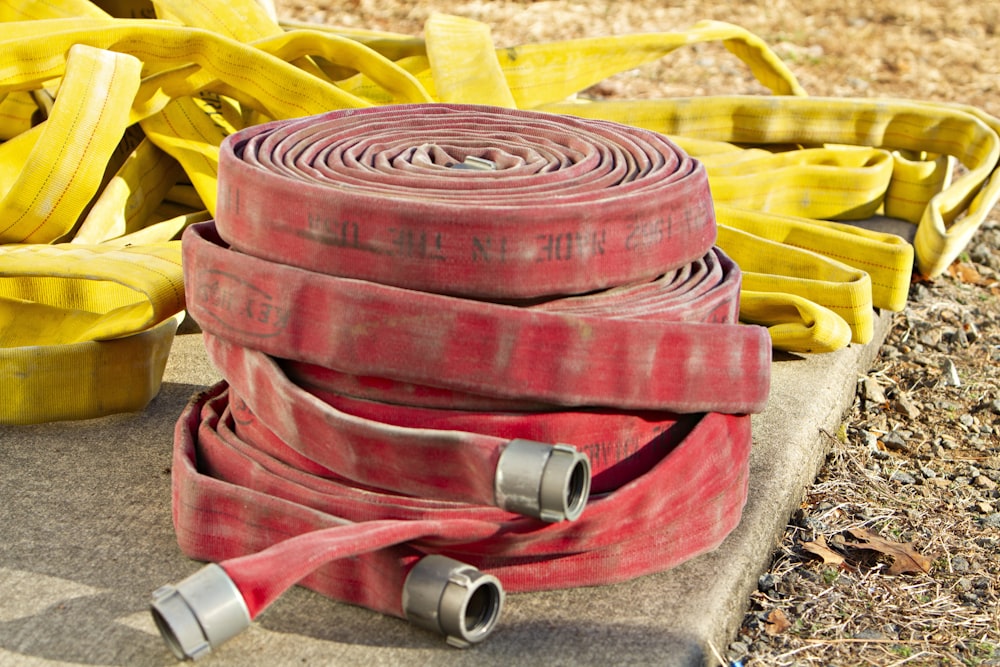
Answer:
(240, 305)
(608, 453)
(402, 242)
(412, 244)
(488, 250)
(570, 245)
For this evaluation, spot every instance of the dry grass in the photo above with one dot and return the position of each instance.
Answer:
(855, 613)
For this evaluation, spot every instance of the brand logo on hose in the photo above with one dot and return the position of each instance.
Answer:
(240, 305)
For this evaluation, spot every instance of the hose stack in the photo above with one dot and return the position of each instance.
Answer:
(466, 349)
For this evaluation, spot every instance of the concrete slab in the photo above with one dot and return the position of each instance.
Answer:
(86, 536)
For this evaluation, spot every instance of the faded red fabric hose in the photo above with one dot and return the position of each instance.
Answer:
(392, 322)
(572, 206)
(233, 498)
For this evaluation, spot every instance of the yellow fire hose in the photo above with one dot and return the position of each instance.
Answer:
(111, 116)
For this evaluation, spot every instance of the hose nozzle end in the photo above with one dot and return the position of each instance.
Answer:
(447, 596)
(199, 613)
(548, 482)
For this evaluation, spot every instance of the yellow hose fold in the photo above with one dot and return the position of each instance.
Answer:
(111, 118)
(66, 163)
(85, 330)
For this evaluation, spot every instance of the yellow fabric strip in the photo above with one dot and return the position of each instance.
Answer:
(854, 181)
(127, 202)
(34, 11)
(548, 72)
(770, 266)
(168, 229)
(242, 21)
(36, 54)
(800, 324)
(66, 163)
(192, 137)
(886, 258)
(85, 330)
(84, 380)
(116, 291)
(464, 62)
(971, 138)
(18, 111)
(915, 181)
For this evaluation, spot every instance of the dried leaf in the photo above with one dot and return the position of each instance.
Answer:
(819, 548)
(776, 622)
(966, 273)
(904, 558)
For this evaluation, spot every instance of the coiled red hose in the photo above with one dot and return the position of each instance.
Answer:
(400, 298)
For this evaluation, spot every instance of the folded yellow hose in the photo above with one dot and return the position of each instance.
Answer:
(951, 215)
(111, 118)
(85, 329)
(66, 162)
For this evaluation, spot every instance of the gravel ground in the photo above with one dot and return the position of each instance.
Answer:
(917, 461)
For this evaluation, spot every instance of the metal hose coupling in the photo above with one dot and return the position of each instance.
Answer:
(548, 482)
(199, 613)
(447, 596)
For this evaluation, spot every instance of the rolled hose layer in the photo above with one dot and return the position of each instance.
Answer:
(568, 206)
(683, 504)
(429, 385)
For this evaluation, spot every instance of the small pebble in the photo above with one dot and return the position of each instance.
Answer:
(738, 649)
(895, 440)
(980, 253)
(889, 351)
(984, 482)
(948, 443)
(903, 477)
(949, 374)
(906, 407)
(931, 338)
(872, 391)
(959, 564)
(868, 439)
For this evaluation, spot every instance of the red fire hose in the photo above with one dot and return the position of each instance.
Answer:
(443, 328)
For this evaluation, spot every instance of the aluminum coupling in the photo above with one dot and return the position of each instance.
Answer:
(548, 482)
(199, 613)
(451, 598)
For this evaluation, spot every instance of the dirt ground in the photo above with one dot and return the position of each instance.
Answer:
(928, 49)
(918, 459)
